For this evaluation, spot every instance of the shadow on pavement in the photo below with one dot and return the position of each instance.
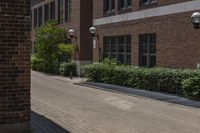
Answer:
(41, 124)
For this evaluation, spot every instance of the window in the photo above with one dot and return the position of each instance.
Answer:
(118, 47)
(124, 4)
(61, 17)
(68, 11)
(35, 18)
(109, 6)
(148, 2)
(40, 16)
(46, 12)
(52, 10)
(147, 50)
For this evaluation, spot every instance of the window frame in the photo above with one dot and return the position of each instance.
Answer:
(111, 7)
(52, 12)
(68, 10)
(149, 54)
(149, 4)
(61, 11)
(35, 17)
(111, 46)
(126, 6)
(40, 16)
(46, 12)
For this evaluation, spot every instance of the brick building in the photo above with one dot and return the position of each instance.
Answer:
(148, 32)
(14, 66)
(71, 14)
(138, 32)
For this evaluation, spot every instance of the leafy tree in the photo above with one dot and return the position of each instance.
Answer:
(50, 45)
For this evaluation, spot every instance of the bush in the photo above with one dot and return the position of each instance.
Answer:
(37, 64)
(191, 87)
(154, 79)
(66, 68)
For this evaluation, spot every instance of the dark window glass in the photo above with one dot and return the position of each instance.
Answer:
(40, 16)
(109, 6)
(118, 47)
(35, 18)
(52, 10)
(124, 4)
(147, 50)
(68, 9)
(46, 12)
(147, 2)
(61, 11)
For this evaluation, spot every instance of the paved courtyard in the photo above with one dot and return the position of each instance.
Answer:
(59, 106)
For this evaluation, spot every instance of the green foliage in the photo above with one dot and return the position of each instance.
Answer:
(37, 64)
(154, 79)
(110, 61)
(66, 68)
(191, 87)
(51, 48)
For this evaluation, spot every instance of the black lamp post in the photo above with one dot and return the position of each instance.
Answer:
(93, 31)
(196, 20)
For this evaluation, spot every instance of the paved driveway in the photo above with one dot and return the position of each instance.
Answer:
(59, 106)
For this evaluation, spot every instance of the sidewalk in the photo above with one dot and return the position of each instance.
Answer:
(143, 93)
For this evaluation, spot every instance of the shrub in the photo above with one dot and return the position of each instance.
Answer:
(154, 79)
(66, 68)
(37, 64)
(191, 87)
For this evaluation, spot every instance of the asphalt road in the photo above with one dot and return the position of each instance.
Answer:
(78, 109)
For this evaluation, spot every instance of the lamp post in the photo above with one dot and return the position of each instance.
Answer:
(71, 33)
(93, 31)
(196, 20)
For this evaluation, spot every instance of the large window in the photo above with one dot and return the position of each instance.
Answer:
(40, 16)
(148, 2)
(61, 7)
(124, 4)
(109, 6)
(46, 12)
(52, 10)
(147, 50)
(68, 9)
(118, 47)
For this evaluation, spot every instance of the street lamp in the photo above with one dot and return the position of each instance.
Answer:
(196, 20)
(71, 32)
(93, 31)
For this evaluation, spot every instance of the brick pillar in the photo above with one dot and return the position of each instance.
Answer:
(14, 66)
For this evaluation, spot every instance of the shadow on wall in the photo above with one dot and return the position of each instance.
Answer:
(41, 124)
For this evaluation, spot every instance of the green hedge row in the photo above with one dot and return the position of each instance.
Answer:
(155, 79)
(64, 68)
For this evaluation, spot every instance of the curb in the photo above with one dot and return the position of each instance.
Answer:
(166, 97)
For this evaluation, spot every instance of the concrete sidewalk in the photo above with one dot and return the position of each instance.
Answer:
(170, 98)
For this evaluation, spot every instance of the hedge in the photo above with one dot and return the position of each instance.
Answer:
(153, 79)
(66, 68)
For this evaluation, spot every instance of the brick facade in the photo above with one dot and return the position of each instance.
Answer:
(177, 42)
(81, 20)
(14, 64)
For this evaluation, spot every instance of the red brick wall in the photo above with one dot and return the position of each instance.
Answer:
(98, 6)
(14, 61)
(177, 42)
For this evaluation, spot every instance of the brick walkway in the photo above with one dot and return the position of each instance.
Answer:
(59, 106)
